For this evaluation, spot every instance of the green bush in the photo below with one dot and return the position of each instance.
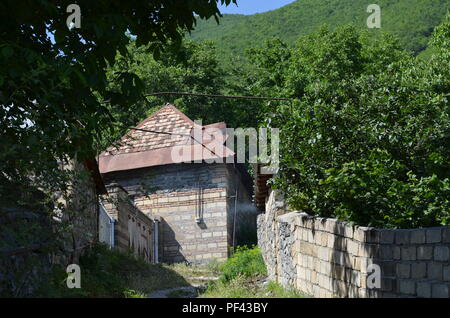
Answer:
(367, 137)
(246, 262)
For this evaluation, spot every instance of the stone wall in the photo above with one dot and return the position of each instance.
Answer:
(330, 258)
(193, 203)
(35, 237)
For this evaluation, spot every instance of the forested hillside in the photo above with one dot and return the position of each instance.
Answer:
(412, 21)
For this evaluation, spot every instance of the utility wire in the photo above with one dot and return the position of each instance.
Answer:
(210, 96)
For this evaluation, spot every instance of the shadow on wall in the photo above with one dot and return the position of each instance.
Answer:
(246, 230)
(349, 268)
(169, 246)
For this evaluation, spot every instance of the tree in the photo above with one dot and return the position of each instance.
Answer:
(53, 78)
(367, 138)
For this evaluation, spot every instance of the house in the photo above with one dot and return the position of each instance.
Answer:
(197, 192)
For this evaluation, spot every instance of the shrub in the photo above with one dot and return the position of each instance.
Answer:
(247, 262)
(367, 138)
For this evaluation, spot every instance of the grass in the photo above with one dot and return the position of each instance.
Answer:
(242, 275)
(247, 262)
(244, 287)
(107, 273)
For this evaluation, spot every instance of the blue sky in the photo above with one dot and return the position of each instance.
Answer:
(254, 6)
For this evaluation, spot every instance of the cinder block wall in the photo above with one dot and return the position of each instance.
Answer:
(180, 194)
(330, 258)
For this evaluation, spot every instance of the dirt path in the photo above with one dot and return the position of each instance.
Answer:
(198, 279)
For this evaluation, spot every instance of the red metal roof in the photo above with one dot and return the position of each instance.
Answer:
(154, 140)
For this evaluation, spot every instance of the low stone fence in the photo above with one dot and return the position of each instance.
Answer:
(330, 258)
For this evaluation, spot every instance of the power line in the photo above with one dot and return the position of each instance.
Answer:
(211, 96)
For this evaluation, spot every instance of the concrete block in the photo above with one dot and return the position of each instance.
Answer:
(407, 287)
(367, 235)
(325, 268)
(353, 247)
(325, 254)
(387, 284)
(418, 236)
(441, 253)
(348, 231)
(440, 291)
(403, 270)
(435, 271)
(387, 236)
(353, 277)
(419, 270)
(360, 233)
(311, 237)
(386, 252)
(320, 224)
(424, 252)
(423, 290)
(356, 263)
(337, 257)
(388, 268)
(353, 291)
(409, 253)
(313, 278)
(402, 237)
(446, 273)
(340, 243)
(446, 235)
(434, 235)
(331, 225)
(396, 252)
(338, 272)
(331, 239)
(324, 239)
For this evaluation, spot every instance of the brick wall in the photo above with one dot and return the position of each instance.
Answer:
(330, 258)
(182, 194)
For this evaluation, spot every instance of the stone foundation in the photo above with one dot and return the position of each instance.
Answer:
(330, 258)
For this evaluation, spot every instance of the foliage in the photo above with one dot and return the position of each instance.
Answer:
(245, 261)
(193, 68)
(366, 138)
(52, 82)
(412, 21)
(53, 79)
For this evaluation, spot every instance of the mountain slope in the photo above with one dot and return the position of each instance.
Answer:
(412, 21)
